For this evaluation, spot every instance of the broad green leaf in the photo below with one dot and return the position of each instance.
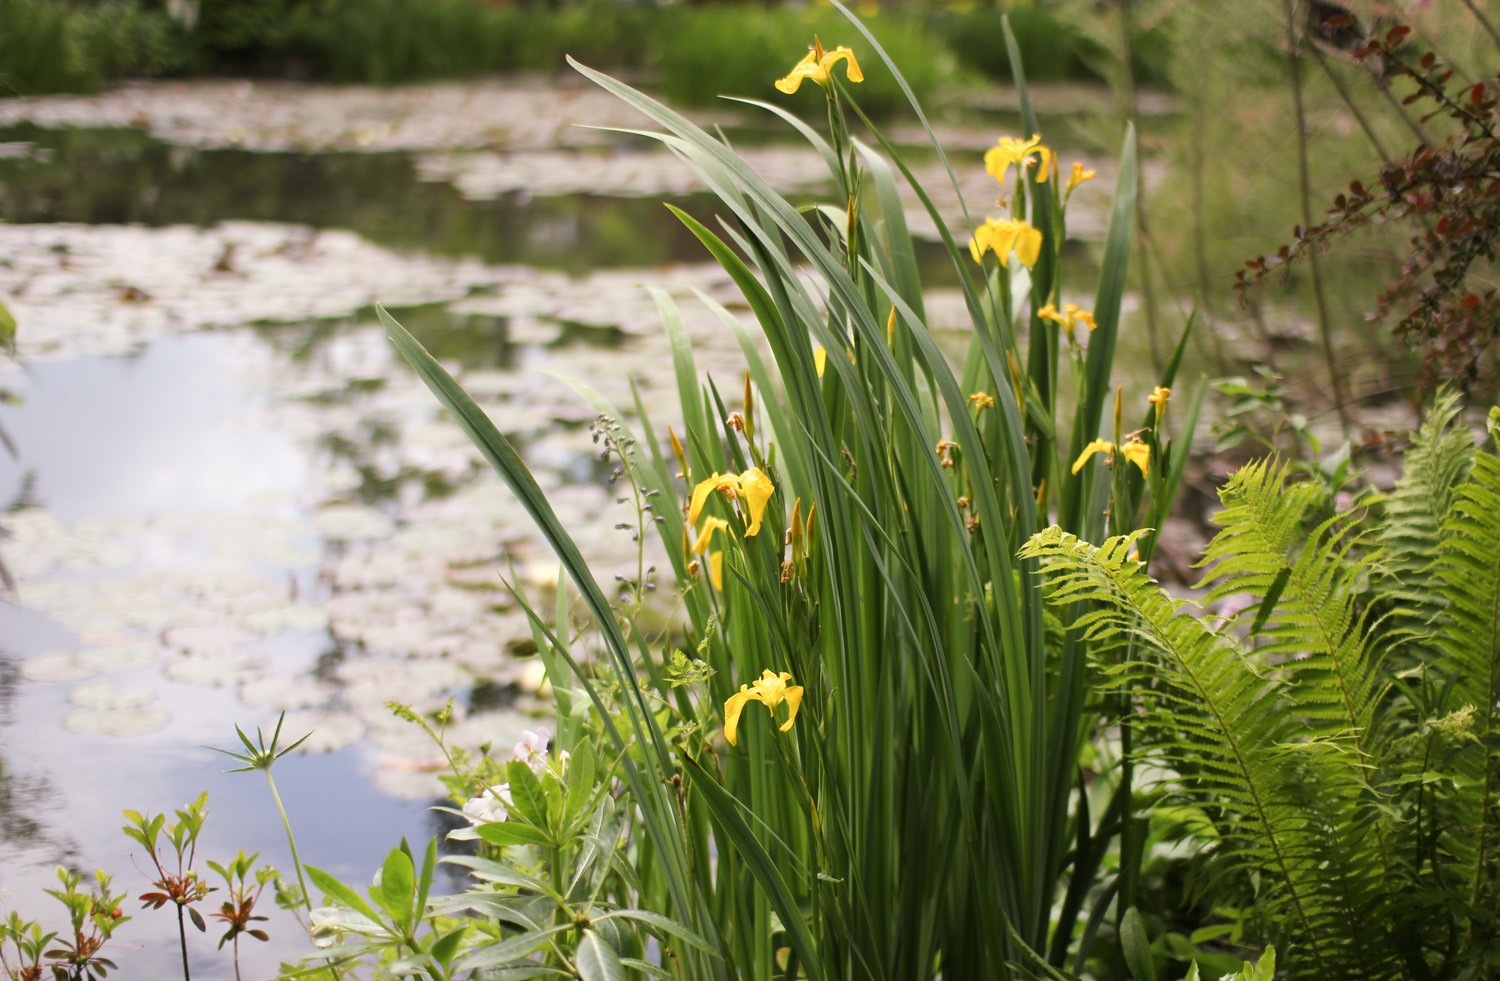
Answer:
(511, 833)
(1136, 946)
(511, 950)
(580, 781)
(597, 960)
(337, 890)
(397, 887)
(661, 923)
(527, 798)
(444, 947)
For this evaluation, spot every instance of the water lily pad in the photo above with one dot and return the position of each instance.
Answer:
(329, 730)
(107, 695)
(283, 691)
(346, 522)
(218, 638)
(297, 618)
(408, 778)
(213, 670)
(116, 722)
(119, 657)
(59, 668)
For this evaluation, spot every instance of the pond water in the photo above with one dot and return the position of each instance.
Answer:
(229, 498)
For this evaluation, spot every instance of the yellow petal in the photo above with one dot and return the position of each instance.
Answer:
(1028, 244)
(1079, 176)
(1097, 446)
(677, 451)
(732, 709)
(838, 54)
(700, 498)
(793, 697)
(756, 489)
(1049, 312)
(718, 481)
(820, 359)
(1137, 453)
(716, 570)
(806, 68)
(710, 525)
(1158, 398)
(1045, 156)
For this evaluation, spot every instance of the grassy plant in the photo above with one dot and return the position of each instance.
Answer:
(918, 785)
(52, 47)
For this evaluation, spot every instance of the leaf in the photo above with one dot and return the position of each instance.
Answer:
(197, 919)
(580, 781)
(337, 890)
(444, 947)
(510, 833)
(7, 330)
(725, 810)
(1136, 946)
(509, 950)
(661, 923)
(527, 798)
(597, 960)
(397, 887)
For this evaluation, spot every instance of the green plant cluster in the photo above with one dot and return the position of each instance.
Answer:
(907, 721)
(696, 52)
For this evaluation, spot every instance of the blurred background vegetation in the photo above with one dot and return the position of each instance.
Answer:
(80, 45)
(1251, 118)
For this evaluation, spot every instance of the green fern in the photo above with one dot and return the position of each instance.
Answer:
(1305, 590)
(1469, 638)
(1439, 457)
(1354, 798)
(1218, 717)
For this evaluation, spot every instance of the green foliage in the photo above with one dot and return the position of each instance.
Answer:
(1053, 48)
(932, 721)
(1341, 755)
(738, 50)
(47, 46)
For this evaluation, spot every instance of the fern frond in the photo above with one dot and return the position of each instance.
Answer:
(1469, 639)
(1410, 536)
(1211, 713)
(1306, 588)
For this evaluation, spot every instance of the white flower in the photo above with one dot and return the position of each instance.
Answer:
(532, 749)
(489, 806)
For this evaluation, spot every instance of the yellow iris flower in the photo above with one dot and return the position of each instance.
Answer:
(1009, 150)
(770, 689)
(752, 487)
(710, 526)
(1158, 398)
(1072, 316)
(1003, 236)
(1135, 451)
(1080, 174)
(817, 65)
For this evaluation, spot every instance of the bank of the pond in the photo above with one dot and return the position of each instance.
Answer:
(691, 53)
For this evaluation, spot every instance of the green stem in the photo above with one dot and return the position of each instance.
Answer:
(291, 843)
(182, 939)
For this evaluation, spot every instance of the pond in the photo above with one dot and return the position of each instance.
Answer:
(230, 499)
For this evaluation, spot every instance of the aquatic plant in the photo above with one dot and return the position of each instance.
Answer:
(930, 782)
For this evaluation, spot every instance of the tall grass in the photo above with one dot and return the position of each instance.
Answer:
(52, 47)
(925, 813)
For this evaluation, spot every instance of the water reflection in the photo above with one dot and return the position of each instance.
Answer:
(123, 176)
